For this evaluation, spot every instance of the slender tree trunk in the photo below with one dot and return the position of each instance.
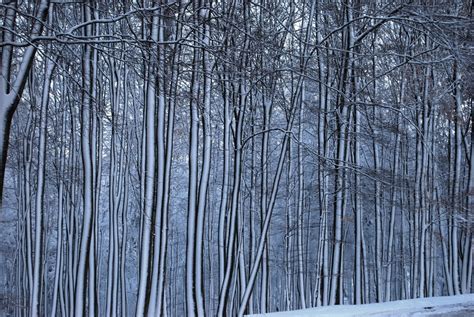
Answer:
(149, 171)
(39, 210)
(456, 181)
(59, 247)
(466, 275)
(300, 200)
(192, 308)
(391, 231)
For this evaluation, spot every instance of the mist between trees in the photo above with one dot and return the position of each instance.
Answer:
(220, 158)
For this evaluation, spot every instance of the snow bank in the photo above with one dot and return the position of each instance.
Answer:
(460, 305)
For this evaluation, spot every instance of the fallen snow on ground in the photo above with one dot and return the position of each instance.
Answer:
(460, 305)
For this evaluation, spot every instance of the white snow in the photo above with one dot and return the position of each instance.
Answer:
(460, 305)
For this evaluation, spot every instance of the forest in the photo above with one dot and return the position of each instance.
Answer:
(233, 157)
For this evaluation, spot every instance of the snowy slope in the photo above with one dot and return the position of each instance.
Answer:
(452, 306)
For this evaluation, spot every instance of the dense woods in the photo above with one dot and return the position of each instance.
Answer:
(222, 158)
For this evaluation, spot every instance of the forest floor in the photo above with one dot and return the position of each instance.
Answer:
(449, 306)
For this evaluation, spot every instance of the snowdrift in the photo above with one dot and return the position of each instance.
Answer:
(452, 306)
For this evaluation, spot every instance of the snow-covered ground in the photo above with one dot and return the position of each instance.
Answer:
(449, 306)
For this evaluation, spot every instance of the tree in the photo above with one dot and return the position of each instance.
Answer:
(12, 84)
